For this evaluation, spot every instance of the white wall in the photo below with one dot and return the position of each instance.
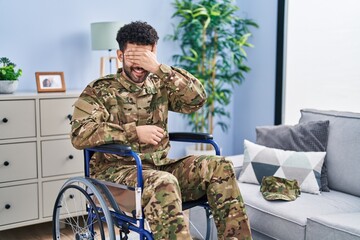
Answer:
(322, 57)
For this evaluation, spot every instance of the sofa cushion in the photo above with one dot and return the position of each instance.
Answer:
(287, 220)
(303, 137)
(345, 226)
(260, 161)
(343, 150)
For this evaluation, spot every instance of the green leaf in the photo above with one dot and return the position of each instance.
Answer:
(7, 71)
(206, 28)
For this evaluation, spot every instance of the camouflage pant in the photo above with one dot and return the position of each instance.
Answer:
(190, 179)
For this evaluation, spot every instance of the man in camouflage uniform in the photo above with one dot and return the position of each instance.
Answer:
(131, 107)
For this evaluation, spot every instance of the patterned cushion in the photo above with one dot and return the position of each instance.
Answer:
(311, 136)
(260, 161)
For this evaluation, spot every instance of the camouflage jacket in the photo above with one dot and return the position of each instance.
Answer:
(110, 108)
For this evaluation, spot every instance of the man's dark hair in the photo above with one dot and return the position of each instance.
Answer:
(137, 32)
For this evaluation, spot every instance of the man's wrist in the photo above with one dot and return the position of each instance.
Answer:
(163, 71)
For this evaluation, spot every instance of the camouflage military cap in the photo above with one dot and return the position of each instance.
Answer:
(276, 188)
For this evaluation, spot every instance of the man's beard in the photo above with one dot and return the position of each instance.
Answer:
(130, 73)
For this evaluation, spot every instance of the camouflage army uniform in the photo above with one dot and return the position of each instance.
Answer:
(108, 111)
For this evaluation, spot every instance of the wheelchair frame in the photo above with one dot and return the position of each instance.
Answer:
(98, 210)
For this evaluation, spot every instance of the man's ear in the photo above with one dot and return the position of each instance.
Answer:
(154, 49)
(119, 54)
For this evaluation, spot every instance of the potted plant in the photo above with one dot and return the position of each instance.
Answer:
(212, 39)
(8, 76)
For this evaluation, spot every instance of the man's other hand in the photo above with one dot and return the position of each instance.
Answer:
(150, 134)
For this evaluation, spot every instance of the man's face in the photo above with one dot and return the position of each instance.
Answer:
(134, 72)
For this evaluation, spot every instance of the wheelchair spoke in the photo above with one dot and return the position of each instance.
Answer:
(71, 220)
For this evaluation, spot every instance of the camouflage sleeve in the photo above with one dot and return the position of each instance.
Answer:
(186, 93)
(91, 125)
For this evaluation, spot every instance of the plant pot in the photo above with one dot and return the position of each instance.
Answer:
(8, 86)
(192, 150)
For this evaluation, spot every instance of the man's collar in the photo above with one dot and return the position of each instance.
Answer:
(147, 88)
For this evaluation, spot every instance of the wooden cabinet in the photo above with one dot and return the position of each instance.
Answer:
(36, 155)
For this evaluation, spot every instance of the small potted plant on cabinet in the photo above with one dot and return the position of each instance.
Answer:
(212, 39)
(8, 76)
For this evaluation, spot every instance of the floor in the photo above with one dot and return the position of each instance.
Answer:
(37, 232)
(33, 232)
(43, 231)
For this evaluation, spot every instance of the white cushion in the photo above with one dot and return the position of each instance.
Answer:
(260, 161)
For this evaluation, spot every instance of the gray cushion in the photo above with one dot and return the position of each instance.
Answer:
(287, 220)
(345, 226)
(343, 149)
(303, 137)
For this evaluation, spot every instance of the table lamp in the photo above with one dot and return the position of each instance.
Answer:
(103, 37)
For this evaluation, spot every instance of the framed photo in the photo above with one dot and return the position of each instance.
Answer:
(50, 81)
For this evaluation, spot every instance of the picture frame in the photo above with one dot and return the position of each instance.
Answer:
(50, 82)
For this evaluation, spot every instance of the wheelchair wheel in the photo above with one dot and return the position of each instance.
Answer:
(80, 213)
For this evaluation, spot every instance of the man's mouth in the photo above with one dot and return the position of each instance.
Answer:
(138, 71)
(136, 74)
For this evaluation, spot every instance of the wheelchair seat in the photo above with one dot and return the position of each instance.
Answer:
(91, 208)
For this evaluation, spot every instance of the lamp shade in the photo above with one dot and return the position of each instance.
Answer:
(103, 35)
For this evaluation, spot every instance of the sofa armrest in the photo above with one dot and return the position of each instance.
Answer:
(237, 161)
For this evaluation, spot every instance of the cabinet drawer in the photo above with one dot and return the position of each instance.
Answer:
(54, 116)
(59, 157)
(51, 190)
(17, 119)
(18, 161)
(18, 204)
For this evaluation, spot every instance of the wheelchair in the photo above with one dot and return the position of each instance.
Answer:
(85, 208)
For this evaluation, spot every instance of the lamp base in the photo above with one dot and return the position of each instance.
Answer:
(103, 61)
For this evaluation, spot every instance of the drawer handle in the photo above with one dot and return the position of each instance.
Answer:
(69, 116)
(5, 120)
(71, 196)
(6, 163)
(71, 156)
(7, 206)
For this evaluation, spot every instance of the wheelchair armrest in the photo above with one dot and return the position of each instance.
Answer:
(180, 136)
(195, 138)
(112, 148)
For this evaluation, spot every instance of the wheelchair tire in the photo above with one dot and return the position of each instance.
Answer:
(76, 216)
